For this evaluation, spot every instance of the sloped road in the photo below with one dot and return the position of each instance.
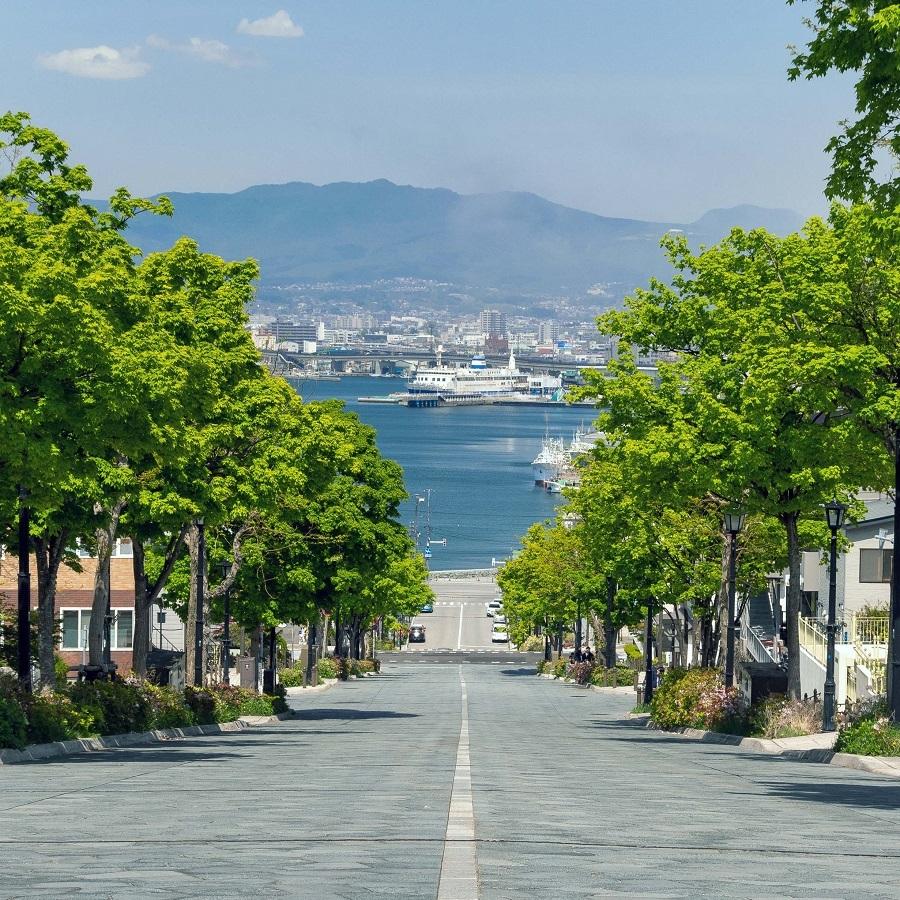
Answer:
(351, 800)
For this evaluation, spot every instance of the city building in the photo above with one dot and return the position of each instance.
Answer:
(493, 323)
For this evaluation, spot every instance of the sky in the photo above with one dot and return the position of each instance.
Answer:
(652, 109)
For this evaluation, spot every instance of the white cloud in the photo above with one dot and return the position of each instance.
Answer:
(97, 62)
(278, 25)
(206, 49)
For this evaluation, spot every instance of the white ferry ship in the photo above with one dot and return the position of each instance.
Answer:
(475, 383)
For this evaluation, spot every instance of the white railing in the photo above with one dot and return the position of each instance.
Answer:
(813, 639)
(869, 630)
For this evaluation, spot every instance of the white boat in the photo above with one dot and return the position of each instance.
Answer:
(554, 467)
(472, 384)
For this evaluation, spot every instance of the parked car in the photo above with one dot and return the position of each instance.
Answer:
(499, 636)
(428, 607)
(492, 606)
(499, 619)
(417, 634)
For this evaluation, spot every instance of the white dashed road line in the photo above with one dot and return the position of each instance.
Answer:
(459, 864)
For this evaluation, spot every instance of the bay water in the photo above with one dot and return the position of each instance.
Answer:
(475, 460)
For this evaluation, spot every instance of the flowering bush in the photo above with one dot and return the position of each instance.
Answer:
(559, 668)
(169, 708)
(779, 717)
(532, 644)
(580, 672)
(116, 706)
(697, 698)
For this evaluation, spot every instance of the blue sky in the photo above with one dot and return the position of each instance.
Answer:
(652, 109)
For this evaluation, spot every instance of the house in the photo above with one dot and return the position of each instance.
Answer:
(74, 596)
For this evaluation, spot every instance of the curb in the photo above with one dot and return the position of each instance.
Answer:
(58, 749)
(619, 691)
(888, 766)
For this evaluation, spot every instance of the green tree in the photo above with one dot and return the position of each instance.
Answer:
(766, 408)
(859, 36)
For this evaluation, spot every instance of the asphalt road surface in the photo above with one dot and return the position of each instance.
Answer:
(446, 781)
(459, 620)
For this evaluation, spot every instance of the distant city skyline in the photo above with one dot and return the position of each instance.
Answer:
(647, 110)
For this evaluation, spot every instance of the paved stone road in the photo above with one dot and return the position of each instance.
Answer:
(351, 799)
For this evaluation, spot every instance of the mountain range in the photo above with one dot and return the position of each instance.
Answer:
(362, 232)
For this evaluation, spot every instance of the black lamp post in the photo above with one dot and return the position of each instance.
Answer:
(734, 524)
(226, 630)
(648, 654)
(198, 627)
(834, 514)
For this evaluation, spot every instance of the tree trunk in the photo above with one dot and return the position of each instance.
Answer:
(48, 551)
(192, 540)
(792, 617)
(142, 607)
(311, 634)
(106, 539)
(722, 603)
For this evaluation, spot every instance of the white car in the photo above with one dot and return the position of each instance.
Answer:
(492, 607)
(499, 636)
(499, 619)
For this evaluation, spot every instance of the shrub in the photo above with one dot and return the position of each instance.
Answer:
(541, 665)
(60, 671)
(866, 729)
(697, 698)
(779, 717)
(13, 724)
(343, 667)
(532, 643)
(168, 707)
(202, 705)
(869, 737)
(117, 706)
(55, 717)
(580, 672)
(293, 676)
(354, 667)
(634, 655)
(328, 667)
(620, 676)
(559, 668)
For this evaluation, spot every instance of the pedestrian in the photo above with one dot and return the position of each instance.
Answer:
(589, 656)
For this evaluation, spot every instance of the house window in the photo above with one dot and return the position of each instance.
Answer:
(75, 625)
(77, 622)
(875, 566)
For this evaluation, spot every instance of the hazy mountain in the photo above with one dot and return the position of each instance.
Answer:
(350, 232)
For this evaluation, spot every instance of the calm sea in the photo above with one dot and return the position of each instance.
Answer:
(475, 460)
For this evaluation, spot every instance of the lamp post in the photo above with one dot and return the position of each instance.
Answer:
(198, 627)
(834, 514)
(226, 630)
(734, 524)
(648, 654)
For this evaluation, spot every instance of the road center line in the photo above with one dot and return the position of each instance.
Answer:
(459, 866)
(462, 608)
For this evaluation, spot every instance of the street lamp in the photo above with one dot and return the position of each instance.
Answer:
(835, 514)
(226, 632)
(734, 524)
(23, 623)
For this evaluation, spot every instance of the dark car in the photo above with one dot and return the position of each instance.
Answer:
(417, 634)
